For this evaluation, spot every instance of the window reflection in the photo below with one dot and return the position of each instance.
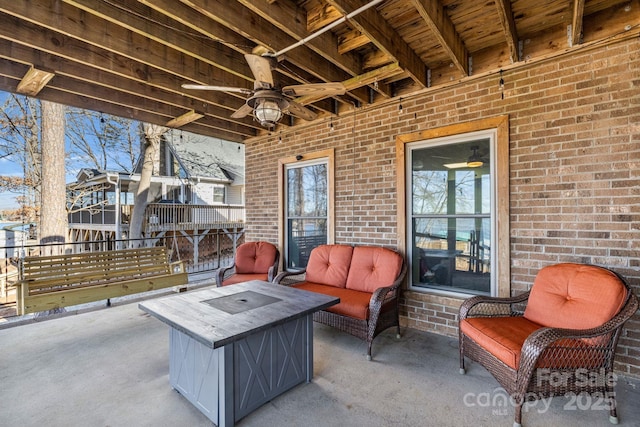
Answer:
(307, 195)
(451, 217)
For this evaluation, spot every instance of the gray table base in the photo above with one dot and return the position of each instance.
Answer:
(229, 382)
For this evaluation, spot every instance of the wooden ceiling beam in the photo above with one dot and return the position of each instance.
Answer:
(213, 30)
(377, 29)
(505, 14)
(75, 23)
(9, 79)
(575, 36)
(148, 23)
(55, 52)
(127, 100)
(321, 15)
(292, 20)
(352, 40)
(252, 26)
(370, 77)
(196, 21)
(434, 15)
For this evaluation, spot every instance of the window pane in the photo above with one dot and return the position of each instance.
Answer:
(307, 191)
(429, 192)
(307, 196)
(304, 235)
(451, 210)
(452, 254)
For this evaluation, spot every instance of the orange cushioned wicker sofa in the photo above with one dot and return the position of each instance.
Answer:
(366, 279)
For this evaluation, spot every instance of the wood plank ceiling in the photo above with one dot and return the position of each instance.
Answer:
(130, 58)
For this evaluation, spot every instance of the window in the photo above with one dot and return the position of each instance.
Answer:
(452, 194)
(307, 210)
(450, 209)
(218, 194)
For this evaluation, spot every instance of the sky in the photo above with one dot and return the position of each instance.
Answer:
(7, 200)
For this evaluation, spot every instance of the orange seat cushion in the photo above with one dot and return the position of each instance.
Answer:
(239, 278)
(352, 303)
(329, 265)
(372, 268)
(574, 296)
(255, 257)
(501, 336)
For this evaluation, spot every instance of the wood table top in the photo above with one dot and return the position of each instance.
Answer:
(219, 316)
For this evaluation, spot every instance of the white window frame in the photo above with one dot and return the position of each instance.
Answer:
(501, 240)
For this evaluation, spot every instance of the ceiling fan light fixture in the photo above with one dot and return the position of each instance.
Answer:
(475, 161)
(268, 112)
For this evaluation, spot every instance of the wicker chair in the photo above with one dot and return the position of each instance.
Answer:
(557, 339)
(368, 285)
(253, 261)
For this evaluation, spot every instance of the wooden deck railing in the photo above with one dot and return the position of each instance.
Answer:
(165, 215)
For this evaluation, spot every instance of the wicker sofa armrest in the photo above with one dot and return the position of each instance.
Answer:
(223, 273)
(284, 277)
(484, 306)
(385, 294)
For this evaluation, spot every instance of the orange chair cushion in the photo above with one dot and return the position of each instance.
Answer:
(255, 257)
(372, 268)
(239, 278)
(329, 265)
(501, 336)
(574, 296)
(352, 303)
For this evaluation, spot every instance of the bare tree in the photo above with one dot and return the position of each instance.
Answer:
(53, 218)
(151, 136)
(100, 141)
(20, 143)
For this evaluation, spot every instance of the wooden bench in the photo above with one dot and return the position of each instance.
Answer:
(50, 282)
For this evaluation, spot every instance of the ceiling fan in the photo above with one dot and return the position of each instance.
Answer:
(267, 101)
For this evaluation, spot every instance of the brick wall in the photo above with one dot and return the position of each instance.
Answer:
(574, 171)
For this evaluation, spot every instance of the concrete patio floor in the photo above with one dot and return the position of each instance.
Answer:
(110, 367)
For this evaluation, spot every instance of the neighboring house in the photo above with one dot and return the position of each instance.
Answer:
(197, 186)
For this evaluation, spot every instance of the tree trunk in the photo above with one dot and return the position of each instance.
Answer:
(151, 137)
(53, 215)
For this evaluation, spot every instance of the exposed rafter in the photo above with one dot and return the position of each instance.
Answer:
(374, 26)
(442, 28)
(576, 23)
(508, 27)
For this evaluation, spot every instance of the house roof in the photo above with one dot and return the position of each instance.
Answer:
(207, 157)
(130, 58)
(201, 157)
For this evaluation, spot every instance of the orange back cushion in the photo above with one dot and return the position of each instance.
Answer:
(329, 265)
(373, 267)
(574, 296)
(255, 257)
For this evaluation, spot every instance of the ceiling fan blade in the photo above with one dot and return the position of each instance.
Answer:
(327, 89)
(261, 68)
(218, 88)
(241, 112)
(298, 110)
